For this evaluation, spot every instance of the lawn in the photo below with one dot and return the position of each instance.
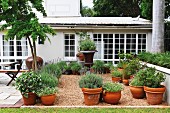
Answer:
(84, 110)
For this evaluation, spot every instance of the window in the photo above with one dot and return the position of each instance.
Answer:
(98, 42)
(130, 43)
(13, 50)
(69, 45)
(141, 42)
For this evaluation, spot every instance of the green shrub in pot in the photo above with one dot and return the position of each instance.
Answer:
(112, 87)
(98, 66)
(47, 91)
(116, 73)
(75, 66)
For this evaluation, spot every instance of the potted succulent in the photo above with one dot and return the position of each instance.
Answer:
(153, 88)
(76, 67)
(88, 48)
(117, 76)
(28, 84)
(112, 92)
(91, 85)
(47, 95)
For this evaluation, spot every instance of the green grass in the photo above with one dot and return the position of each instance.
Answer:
(84, 110)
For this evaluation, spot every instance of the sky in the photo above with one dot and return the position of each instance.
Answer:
(88, 3)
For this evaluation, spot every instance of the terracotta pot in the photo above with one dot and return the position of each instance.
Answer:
(31, 100)
(91, 96)
(117, 79)
(88, 55)
(137, 92)
(126, 82)
(111, 97)
(80, 56)
(48, 99)
(154, 95)
(29, 62)
(76, 73)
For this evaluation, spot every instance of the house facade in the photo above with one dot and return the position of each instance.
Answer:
(110, 34)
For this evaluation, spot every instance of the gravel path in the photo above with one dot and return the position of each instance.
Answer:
(71, 95)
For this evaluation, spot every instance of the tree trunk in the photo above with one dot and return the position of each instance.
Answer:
(35, 54)
(158, 26)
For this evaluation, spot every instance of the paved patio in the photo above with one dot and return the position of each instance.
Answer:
(9, 96)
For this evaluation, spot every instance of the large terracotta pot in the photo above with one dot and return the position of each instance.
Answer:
(91, 96)
(29, 62)
(48, 99)
(88, 55)
(111, 97)
(31, 100)
(154, 96)
(137, 92)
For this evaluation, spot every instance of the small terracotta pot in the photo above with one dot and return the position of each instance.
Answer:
(80, 56)
(91, 96)
(154, 95)
(31, 100)
(111, 97)
(126, 82)
(117, 79)
(137, 92)
(48, 99)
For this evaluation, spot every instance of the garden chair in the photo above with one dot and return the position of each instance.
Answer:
(13, 73)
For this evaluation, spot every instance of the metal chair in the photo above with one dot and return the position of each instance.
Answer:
(13, 74)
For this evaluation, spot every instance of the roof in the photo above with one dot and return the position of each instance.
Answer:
(96, 20)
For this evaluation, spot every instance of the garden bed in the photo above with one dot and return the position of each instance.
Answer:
(71, 95)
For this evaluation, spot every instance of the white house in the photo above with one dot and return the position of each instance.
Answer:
(111, 34)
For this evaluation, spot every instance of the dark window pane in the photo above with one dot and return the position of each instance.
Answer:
(66, 36)
(116, 35)
(121, 35)
(116, 40)
(72, 36)
(72, 42)
(128, 36)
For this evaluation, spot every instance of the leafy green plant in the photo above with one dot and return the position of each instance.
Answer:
(90, 81)
(117, 73)
(62, 65)
(47, 91)
(28, 82)
(112, 87)
(75, 66)
(98, 66)
(136, 82)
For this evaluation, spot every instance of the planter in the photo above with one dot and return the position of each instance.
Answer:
(76, 73)
(29, 62)
(126, 82)
(88, 55)
(80, 56)
(48, 99)
(137, 92)
(31, 100)
(117, 79)
(154, 95)
(112, 97)
(91, 96)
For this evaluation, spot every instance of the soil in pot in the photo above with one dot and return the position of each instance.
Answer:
(137, 92)
(31, 100)
(48, 99)
(91, 96)
(112, 97)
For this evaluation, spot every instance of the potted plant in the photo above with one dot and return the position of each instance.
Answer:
(28, 84)
(112, 92)
(136, 86)
(117, 76)
(47, 95)
(91, 85)
(98, 66)
(153, 88)
(88, 48)
(62, 65)
(76, 67)
(107, 67)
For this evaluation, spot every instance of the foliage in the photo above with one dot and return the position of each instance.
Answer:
(46, 91)
(117, 73)
(62, 65)
(22, 21)
(161, 59)
(90, 81)
(136, 82)
(112, 87)
(28, 82)
(98, 66)
(115, 8)
(87, 12)
(75, 66)
(48, 80)
(52, 69)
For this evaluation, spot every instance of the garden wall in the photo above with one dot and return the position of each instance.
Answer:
(167, 81)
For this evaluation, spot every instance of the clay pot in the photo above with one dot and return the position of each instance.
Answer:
(31, 100)
(29, 62)
(137, 92)
(48, 99)
(80, 56)
(154, 95)
(88, 55)
(111, 97)
(126, 82)
(117, 79)
(91, 96)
